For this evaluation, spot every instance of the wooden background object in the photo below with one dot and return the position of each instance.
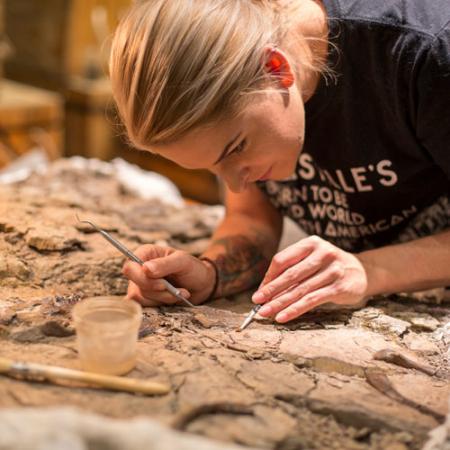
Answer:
(38, 34)
(29, 117)
(2, 38)
(55, 39)
(89, 126)
(5, 47)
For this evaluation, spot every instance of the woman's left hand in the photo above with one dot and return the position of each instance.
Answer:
(307, 274)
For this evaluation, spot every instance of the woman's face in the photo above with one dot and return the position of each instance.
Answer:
(262, 143)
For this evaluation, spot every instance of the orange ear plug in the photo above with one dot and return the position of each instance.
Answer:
(279, 67)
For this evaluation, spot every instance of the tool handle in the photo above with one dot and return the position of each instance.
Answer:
(54, 373)
(172, 289)
(176, 292)
(120, 247)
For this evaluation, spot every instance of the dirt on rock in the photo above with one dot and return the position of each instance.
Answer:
(374, 378)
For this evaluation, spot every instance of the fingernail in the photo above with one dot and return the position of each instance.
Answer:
(282, 317)
(266, 310)
(258, 297)
(150, 266)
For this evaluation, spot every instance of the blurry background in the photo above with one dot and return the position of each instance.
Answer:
(54, 90)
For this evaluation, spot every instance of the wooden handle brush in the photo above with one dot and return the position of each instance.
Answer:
(53, 374)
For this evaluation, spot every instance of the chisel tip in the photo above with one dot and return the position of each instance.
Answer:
(249, 317)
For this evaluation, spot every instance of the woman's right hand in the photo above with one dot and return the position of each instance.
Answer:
(193, 276)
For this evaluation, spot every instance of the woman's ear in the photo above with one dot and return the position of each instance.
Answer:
(276, 63)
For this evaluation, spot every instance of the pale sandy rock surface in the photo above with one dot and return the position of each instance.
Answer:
(375, 378)
(72, 429)
(439, 438)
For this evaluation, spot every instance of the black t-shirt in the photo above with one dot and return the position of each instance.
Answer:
(375, 167)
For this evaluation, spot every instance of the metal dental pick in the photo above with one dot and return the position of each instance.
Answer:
(250, 317)
(172, 289)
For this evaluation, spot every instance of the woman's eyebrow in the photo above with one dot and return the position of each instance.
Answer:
(227, 147)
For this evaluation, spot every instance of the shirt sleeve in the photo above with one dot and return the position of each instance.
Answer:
(433, 112)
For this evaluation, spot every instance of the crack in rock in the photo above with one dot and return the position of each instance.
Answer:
(381, 383)
(183, 420)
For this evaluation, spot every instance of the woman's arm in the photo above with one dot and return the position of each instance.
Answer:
(243, 245)
(413, 266)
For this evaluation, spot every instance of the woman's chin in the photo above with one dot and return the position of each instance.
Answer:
(283, 175)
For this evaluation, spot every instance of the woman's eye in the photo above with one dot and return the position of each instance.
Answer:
(239, 148)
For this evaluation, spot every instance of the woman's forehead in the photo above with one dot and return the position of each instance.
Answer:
(199, 148)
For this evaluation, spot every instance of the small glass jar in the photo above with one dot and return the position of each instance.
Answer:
(107, 332)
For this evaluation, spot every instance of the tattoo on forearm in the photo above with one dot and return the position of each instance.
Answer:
(241, 265)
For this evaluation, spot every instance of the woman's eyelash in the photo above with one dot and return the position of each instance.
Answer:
(239, 148)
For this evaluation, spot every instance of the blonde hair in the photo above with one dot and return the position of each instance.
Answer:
(176, 65)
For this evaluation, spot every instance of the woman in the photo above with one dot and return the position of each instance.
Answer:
(334, 112)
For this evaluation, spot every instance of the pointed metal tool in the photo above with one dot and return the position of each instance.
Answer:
(172, 289)
(250, 317)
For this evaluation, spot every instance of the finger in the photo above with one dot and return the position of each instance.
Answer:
(152, 298)
(143, 301)
(165, 297)
(135, 273)
(148, 252)
(134, 293)
(286, 298)
(174, 263)
(305, 304)
(285, 282)
(287, 258)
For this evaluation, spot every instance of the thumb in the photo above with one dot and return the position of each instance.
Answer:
(162, 267)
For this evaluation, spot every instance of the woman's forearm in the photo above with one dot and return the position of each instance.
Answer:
(241, 249)
(413, 266)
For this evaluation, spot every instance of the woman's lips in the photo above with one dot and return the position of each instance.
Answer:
(266, 176)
